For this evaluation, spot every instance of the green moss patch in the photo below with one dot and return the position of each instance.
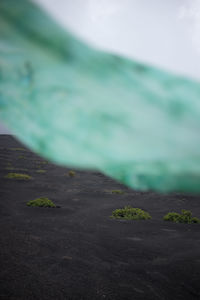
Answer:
(17, 149)
(41, 171)
(44, 162)
(16, 169)
(184, 217)
(41, 164)
(18, 176)
(71, 173)
(41, 202)
(119, 192)
(130, 213)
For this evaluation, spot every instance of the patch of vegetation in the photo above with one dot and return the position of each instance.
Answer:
(18, 176)
(17, 149)
(119, 192)
(130, 213)
(41, 202)
(16, 169)
(44, 162)
(41, 163)
(41, 171)
(71, 173)
(184, 217)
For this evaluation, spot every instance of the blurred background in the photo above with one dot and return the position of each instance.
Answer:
(165, 34)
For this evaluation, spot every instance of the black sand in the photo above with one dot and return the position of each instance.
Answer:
(78, 252)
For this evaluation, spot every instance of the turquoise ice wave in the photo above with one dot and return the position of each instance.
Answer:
(85, 108)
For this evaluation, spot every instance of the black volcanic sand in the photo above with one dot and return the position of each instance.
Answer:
(77, 251)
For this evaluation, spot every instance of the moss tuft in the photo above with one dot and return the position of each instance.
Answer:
(17, 149)
(130, 213)
(41, 202)
(16, 169)
(43, 162)
(184, 217)
(41, 171)
(119, 192)
(18, 176)
(71, 173)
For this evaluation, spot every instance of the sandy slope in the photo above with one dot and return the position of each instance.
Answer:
(76, 251)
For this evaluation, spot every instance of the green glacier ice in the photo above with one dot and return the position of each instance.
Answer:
(86, 108)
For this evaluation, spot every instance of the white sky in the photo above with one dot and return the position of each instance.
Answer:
(165, 33)
(162, 33)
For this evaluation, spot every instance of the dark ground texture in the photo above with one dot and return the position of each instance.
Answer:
(77, 251)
